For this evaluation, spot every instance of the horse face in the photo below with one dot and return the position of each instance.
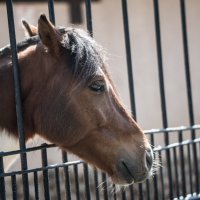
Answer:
(106, 135)
(87, 117)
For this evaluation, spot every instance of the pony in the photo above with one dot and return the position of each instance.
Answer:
(69, 98)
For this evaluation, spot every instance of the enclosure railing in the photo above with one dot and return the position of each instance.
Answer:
(172, 156)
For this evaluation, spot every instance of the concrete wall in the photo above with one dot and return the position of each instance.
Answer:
(108, 31)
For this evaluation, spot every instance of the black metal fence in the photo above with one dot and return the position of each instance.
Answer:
(177, 179)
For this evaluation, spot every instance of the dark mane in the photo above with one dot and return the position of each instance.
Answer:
(24, 44)
(86, 55)
(20, 46)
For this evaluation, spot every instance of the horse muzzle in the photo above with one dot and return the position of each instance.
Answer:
(135, 170)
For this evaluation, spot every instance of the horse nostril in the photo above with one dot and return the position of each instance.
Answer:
(149, 158)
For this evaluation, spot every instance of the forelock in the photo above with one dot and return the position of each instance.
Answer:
(85, 54)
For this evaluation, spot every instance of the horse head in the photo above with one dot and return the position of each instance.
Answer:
(70, 99)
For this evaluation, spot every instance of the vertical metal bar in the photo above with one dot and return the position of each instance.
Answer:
(45, 174)
(160, 67)
(176, 172)
(182, 162)
(87, 184)
(75, 12)
(114, 192)
(2, 179)
(89, 16)
(66, 172)
(187, 63)
(36, 185)
(77, 182)
(189, 89)
(123, 193)
(131, 192)
(190, 169)
(105, 186)
(96, 184)
(155, 180)
(198, 147)
(161, 177)
(51, 11)
(148, 190)
(57, 175)
(140, 191)
(14, 187)
(17, 86)
(128, 56)
(162, 92)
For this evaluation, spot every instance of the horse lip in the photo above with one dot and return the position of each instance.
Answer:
(129, 175)
(127, 169)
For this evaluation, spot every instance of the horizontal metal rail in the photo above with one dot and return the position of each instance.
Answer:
(173, 129)
(31, 149)
(67, 164)
(148, 132)
(175, 145)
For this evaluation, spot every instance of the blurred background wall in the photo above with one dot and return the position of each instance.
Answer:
(108, 31)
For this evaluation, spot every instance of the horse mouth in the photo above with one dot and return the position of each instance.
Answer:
(127, 175)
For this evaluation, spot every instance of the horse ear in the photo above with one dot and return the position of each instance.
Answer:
(49, 36)
(30, 30)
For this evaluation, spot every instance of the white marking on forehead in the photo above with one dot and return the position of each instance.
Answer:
(100, 72)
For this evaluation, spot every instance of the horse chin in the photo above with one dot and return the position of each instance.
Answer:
(122, 180)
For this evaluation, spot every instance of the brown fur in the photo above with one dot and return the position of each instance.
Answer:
(63, 109)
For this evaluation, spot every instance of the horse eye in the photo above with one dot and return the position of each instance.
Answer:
(97, 86)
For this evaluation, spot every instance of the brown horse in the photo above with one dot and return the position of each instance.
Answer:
(69, 99)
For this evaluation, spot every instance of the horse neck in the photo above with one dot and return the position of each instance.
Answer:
(7, 96)
(7, 103)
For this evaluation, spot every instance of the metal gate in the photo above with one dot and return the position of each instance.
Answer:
(177, 179)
